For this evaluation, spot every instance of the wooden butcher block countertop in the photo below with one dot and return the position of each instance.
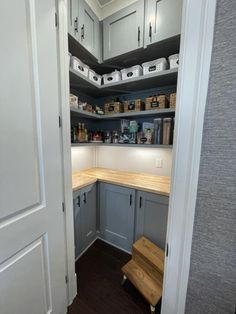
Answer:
(139, 181)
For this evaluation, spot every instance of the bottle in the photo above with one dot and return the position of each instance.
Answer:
(82, 133)
(79, 132)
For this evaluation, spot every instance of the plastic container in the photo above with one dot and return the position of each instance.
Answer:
(167, 131)
(154, 66)
(134, 71)
(94, 77)
(158, 131)
(112, 77)
(174, 61)
(79, 66)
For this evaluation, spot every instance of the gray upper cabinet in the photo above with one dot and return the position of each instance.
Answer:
(151, 217)
(89, 29)
(123, 31)
(117, 206)
(162, 20)
(84, 217)
(73, 18)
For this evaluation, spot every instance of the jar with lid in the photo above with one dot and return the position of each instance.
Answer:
(167, 131)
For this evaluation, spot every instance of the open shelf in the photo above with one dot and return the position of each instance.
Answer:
(122, 145)
(152, 80)
(137, 114)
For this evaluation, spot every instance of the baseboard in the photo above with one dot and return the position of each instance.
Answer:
(98, 237)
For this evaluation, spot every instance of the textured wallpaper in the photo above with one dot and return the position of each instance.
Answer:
(212, 280)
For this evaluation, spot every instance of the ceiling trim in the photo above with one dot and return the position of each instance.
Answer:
(102, 6)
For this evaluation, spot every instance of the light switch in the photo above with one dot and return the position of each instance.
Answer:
(159, 163)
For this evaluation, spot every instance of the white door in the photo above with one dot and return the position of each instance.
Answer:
(32, 252)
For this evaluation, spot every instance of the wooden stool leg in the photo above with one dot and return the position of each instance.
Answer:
(153, 309)
(123, 279)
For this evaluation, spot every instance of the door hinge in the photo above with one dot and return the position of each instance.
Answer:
(63, 207)
(56, 19)
(59, 121)
(167, 249)
(66, 279)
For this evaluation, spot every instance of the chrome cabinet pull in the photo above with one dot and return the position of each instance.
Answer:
(76, 25)
(82, 32)
(150, 29)
(85, 198)
(139, 34)
(78, 203)
(140, 202)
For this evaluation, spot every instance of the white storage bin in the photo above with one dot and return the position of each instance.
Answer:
(79, 66)
(154, 66)
(174, 61)
(94, 77)
(134, 71)
(111, 77)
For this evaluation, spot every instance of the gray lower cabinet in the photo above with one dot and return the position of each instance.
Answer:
(162, 20)
(151, 217)
(85, 205)
(123, 30)
(117, 211)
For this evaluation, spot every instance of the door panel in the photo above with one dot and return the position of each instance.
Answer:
(117, 215)
(151, 217)
(29, 266)
(163, 20)
(31, 219)
(89, 29)
(123, 31)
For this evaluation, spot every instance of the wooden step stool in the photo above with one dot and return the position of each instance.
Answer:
(145, 270)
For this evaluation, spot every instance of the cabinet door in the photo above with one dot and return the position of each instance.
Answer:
(73, 18)
(79, 247)
(151, 217)
(117, 206)
(123, 31)
(88, 214)
(163, 20)
(89, 29)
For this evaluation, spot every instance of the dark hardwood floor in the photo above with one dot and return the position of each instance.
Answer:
(99, 284)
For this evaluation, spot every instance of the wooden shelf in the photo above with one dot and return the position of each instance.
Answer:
(121, 145)
(152, 80)
(115, 116)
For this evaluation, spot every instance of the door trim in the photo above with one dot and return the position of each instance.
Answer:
(198, 20)
(66, 153)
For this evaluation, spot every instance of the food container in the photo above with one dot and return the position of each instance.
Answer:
(133, 126)
(107, 137)
(128, 138)
(112, 77)
(166, 131)
(113, 107)
(158, 131)
(79, 66)
(73, 101)
(173, 100)
(134, 71)
(156, 102)
(124, 125)
(134, 105)
(154, 66)
(115, 137)
(174, 61)
(94, 77)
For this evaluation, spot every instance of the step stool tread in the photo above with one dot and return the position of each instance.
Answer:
(150, 252)
(151, 289)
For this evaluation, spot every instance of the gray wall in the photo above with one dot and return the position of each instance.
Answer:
(212, 281)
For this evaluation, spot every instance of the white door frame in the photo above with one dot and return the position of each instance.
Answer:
(66, 149)
(195, 53)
